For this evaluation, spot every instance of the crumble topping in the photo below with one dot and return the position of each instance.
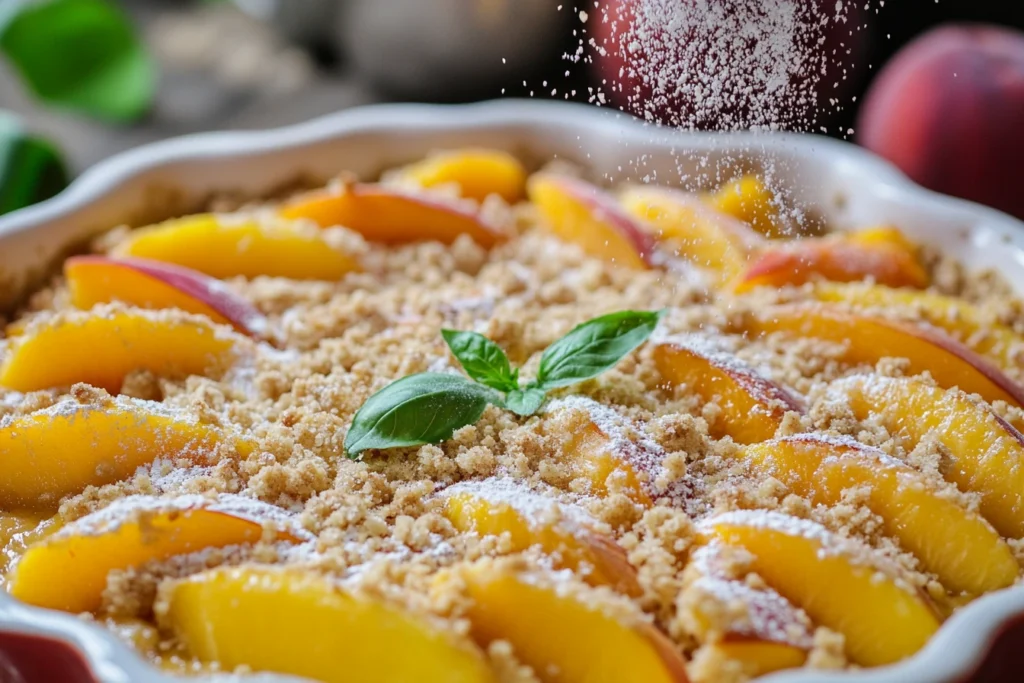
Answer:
(377, 526)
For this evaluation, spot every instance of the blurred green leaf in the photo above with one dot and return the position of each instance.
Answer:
(31, 169)
(79, 54)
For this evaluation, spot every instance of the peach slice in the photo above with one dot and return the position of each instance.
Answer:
(753, 405)
(869, 339)
(829, 578)
(957, 545)
(580, 213)
(986, 453)
(562, 635)
(222, 247)
(607, 456)
(96, 280)
(881, 236)
(59, 451)
(761, 645)
(382, 214)
(233, 616)
(756, 627)
(68, 571)
(479, 173)
(749, 200)
(880, 254)
(956, 316)
(101, 346)
(495, 506)
(709, 238)
(18, 531)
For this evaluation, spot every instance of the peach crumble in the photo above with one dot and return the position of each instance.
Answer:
(687, 449)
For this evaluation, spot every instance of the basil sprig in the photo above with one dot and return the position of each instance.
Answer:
(593, 347)
(418, 409)
(84, 55)
(31, 169)
(429, 407)
(482, 359)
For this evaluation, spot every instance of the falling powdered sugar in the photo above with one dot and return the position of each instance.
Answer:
(724, 64)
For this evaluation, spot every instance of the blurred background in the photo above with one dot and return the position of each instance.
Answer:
(83, 79)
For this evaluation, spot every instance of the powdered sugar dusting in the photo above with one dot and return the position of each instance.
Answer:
(643, 453)
(763, 390)
(129, 509)
(769, 615)
(829, 543)
(711, 348)
(70, 409)
(531, 505)
(841, 444)
(637, 449)
(258, 511)
(167, 478)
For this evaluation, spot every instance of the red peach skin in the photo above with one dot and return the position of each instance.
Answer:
(382, 214)
(152, 284)
(581, 213)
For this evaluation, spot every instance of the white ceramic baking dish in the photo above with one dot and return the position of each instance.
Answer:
(848, 186)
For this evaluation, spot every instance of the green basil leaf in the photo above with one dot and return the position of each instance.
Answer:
(593, 347)
(524, 402)
(31, 169)
(418, 409)
(80, 54)
(482, 359)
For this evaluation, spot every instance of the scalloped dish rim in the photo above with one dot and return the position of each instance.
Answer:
(855, 185)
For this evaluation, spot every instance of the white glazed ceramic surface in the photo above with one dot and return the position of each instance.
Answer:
(850, 188)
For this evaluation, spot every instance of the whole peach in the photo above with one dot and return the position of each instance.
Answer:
(949, 111)
(728, 64)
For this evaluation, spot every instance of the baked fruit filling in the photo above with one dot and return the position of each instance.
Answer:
(473, 423)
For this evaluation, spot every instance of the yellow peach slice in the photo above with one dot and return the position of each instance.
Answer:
(753, 406)
(708, 238)
(560, 634)
(761, 644)
(756, 627)
(18, 531)
(497, 506)
(869, 339)
(580, 213)
(956, 316)
(234, 616)
(882, 235)
(479, 173)
(68, 571)
(986, 454)
(830, 578)
(222, 247)
(749, 200)
(143, 283)
(59, 451)
(878, 255)
(608, 457)
(382, 214)
(598, 460)
(100, 347)
(957, 545)
(758, 657)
